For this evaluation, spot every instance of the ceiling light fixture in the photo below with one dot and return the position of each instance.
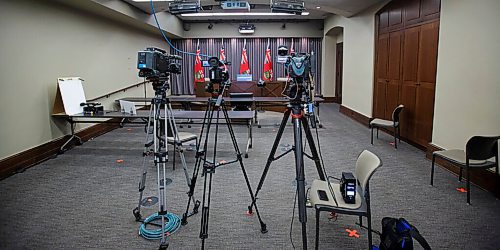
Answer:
(205, 14)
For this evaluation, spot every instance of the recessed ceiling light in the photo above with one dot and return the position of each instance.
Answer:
(305, 13)
(318, 7)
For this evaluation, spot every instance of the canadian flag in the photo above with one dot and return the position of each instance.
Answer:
(268, 66)
(244, 68)
(199, 74)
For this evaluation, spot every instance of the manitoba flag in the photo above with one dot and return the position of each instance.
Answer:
(222, 57)
(199, 75)
(268, 66)
(244, 68)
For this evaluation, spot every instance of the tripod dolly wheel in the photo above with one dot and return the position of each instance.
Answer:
(246, 155)
(163, 246)
(137, 214)
(320, 125)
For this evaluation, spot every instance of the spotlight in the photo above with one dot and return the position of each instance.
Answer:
(283, 26)
(210, 26)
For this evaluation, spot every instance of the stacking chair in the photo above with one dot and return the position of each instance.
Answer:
(394, 124)
(478, 151)
(366, 164)
(183, 138)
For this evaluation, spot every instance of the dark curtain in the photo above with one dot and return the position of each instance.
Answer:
(183, 84)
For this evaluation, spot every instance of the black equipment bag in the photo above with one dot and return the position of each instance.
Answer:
(398, 234)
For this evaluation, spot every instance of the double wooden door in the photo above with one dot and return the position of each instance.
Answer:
(406, 61)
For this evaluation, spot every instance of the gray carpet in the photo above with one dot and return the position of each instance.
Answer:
(84, 198)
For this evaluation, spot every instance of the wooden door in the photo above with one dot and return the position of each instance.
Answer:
(338, 72)
(393, 73)
(409, 83)
(426, 74)
(381, 76)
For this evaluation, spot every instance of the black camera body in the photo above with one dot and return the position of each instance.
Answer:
(156, 63)
(298, 67)
(217, 73)
(348, 187)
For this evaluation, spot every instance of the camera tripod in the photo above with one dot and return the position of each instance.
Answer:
(295, 109)
(160, 153)
(214, 106)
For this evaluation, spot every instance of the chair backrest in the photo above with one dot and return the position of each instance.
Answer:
(366, 165)
(395, 113)
(482, 147)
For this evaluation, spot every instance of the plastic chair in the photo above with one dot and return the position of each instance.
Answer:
(394, 124)
(478, 151)
(366, 164)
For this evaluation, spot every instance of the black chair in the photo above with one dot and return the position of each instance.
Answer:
(394, 124)
(478, 151)
(241, 105)
(366, 164)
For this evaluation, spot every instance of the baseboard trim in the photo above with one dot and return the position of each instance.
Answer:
(365, 120)
(28, 158)
(331, 99)
(481, 177)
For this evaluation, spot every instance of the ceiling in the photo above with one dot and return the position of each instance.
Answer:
(345, 8)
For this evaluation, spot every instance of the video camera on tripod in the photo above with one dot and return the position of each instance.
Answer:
(217, 73)
(155, 65)
(298, 68)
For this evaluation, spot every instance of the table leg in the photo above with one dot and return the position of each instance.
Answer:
(73, 136)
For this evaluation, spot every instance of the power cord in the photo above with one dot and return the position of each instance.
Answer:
(173, 223)
(165, 37)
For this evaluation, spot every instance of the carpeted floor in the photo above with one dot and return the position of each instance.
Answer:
(84, 199)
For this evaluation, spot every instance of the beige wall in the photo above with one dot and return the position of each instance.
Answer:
(468, 76)
(41, 41)
(358, 39)
(302, 29)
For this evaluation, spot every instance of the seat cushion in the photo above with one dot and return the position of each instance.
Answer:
(457, 156)
(381, 123)
(323, 185)
(183, 137)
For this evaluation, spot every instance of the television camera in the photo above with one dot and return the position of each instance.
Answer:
(217, 73)
(155, 65)
(298, 68)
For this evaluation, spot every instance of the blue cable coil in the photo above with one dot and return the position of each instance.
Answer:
(173, 223)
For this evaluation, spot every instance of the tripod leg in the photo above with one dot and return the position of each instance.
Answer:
(178, 145)
(240, 160)
(299, 167)
(270, 159)
(142, 184)
(205, 210)
(312, 146)
(200, 157)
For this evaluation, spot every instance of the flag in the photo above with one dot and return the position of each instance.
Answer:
(268, 66)
(244, 68)
(222, 56)
(199, 74)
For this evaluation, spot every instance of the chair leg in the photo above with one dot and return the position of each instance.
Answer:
(372, 136)
(316, 244)
(460, 175)
(361, 221)
(432, 169)
(175, 149)
(468, 185)
(395, 141)
(370, 240)
(377, 132)
(399, 133)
